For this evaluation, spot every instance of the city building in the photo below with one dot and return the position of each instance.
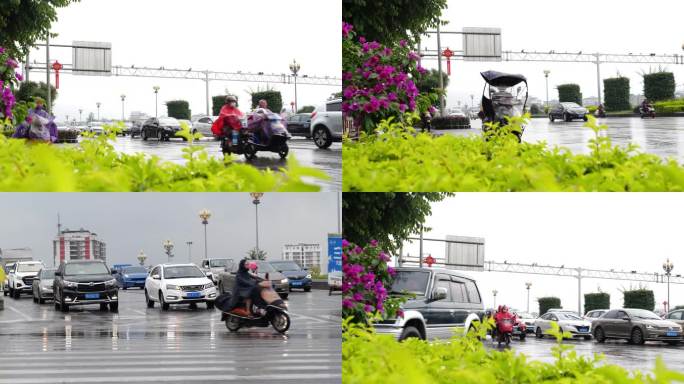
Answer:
(78, 245)
(306, 255)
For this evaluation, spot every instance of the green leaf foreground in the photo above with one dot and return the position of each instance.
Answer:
(370, 358)
(94, 165)
(397, 158)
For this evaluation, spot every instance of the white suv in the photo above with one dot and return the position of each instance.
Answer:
(20, 278)
(178, 284)
(326, 123)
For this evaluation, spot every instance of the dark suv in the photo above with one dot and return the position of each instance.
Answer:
(445, 299)
(85, 282)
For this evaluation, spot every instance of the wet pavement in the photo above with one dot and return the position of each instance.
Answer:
(39, 344)
(304, 150)
(663, 136)
(619, 352)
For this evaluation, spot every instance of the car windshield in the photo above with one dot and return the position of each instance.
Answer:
(47, 274)
(220, 263)
(86, 269)
(567, 316)
(285, 266)
(264, 267)
(134, 270)
(411, 282)
(571, 105)
(643, 314)
(182, 272)
(29, 267)
(168, 121)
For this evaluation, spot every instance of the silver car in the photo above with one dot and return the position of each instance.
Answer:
(203, 125)
(42, 285)
(326, 123)
(567, 321)
(594, 314)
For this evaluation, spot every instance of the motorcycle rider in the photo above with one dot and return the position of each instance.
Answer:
(503, 313)
(249, 287)
(229, 118)
(646, 105)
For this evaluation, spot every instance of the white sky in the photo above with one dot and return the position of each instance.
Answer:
(621, 231)
(537, 25)
(228, 36)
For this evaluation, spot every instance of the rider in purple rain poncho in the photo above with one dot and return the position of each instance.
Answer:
(39, 125)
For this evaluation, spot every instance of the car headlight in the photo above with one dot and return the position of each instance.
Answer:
(110, 283)
(284, 281)
(171, 286)
(649, 326)
(210, 285)
(126, 276)
(70, 284)
(308, 276)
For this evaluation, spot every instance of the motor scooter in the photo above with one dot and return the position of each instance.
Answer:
(498, 102)
(504, 330)
(648, 111)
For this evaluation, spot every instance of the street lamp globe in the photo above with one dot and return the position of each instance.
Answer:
(156, 88)
(123, 97)
(546, 72)
(205, 214)
(142, 257)
(168, 245)
(294, 67)
(668, 266)
(256, 197)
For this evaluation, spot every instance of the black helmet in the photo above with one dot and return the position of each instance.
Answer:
(230, 98)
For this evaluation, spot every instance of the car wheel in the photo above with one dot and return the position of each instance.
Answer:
(164, 305)
(322, 137)
(538, 332)
(143, 134)
(409, 332)
(17, 294)
(11, 292)
(585, 118)
(150, 303)
(210, 305)
(233, 324)
(522, 336)
(160, 135)
(307, 289)
(551, 118)
(567, 117)
(599, 336)
(62, 305)
(41, 300)
(114, 307)
(637, 336)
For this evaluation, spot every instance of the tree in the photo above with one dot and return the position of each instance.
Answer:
(546, 303)
(23, 22)
(392, 20)
(254, 254)
(179, 109)
(659, 86)
(616, 94)
(569, 93)
(306, 109)
(598, 300)
(429, 82)
(29, 90)
(272, 97)
(389, 218)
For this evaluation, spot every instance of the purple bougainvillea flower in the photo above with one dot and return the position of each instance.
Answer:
(400, 313)
(349, 92)
(362, 39)
(402, 107)
(12, 63)
(346, 29)
(358, 296)
(368, 108)
(374, 243)
(392, 96)
(345, 243)
(19, 76)
(354, 107)
(358, 250)
(368, 308)
(413, 56)
(403, 43)
(2, 50)
(391, 271)
(346, 303)
(421, 70)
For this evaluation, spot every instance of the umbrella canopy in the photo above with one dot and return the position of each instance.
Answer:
(499, 79)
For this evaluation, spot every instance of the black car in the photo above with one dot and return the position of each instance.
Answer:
(299, 125)
(136, 128)
(444, 300)
(299, 277)
(85, 282)
(568, 112)
(162, 128)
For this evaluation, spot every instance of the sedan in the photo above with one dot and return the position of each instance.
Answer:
(527, 319)
(178, 284)
(280, 283)
(568, 112)
(636, 326)
(676, 316)
(136, 128)
(299, 277)
(299, 125)
(42, 285)
(569, 322)
(162, 128)
(594, 314)
(203, 125)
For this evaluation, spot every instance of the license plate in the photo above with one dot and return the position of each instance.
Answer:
(92, 295)
(192, 295)
(296, 283)
(672, 334)
(582, 329)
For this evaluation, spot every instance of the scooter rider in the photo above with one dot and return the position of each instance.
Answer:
(646, 105)
(250, 287)
(229, 118)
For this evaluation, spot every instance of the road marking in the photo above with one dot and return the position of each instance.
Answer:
(22, 314)
(318, 320)
(185, 378)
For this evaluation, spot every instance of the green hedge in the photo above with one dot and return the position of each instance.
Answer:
(569, 93)
(659, 86)
(216, 103)
(639, 298)
(274, 99)
(546, 303)
(178, 109)
(669, 106)
(599, 300)
(678, 307)
(616, 94)
(306, 109)
(451, 122)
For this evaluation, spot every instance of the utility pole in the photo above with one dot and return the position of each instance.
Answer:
(441, 79)
(47, 71)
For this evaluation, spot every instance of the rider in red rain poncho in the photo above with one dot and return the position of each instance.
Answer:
(503, 313)
(229, 118)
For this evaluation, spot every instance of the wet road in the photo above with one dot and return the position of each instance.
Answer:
(617, 352)
(305, 151)
(41, 345)
(663, 136)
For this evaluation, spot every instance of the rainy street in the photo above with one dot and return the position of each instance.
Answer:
(139, 344)
(663, 136)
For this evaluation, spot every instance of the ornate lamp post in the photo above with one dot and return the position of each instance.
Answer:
(156, 92)
(528, 285)
(546, 74)
(256, 199)
(205, 215)
(494, 292)
(168, 247)
(123, 97)
(142, 257)
(98, 110)
(294, 68)
(667, 267)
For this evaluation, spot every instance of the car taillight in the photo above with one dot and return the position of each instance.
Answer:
(313, 115)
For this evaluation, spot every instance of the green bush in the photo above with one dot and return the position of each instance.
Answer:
(536, 109)
(569, 93)
(616, 94)
(273, 98)
(306, 109)
(669, 106)
(591, 109)
(659, 86)
(179, 109)
(678, 307)
(599, 300)
(451, 122)
(546, 303)
(639, 298)
(29, 90)
(396, 158)
(370, 358)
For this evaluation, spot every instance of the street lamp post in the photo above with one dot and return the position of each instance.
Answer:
(667, 267)
(189, 243)
(98, 110)
(123, 97)
(80, 116)
(142, 257)
(205, 215)
(168, 247)
(528, 285)
(546, 74)
(294, 68)
(494, 292)
(156, 92)
(256, 199)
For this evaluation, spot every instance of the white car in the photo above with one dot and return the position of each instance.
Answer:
(526, 318)
(457, 112)
(20, 278)
(96, 127)
(203, 125)
(178, 284)
(567, 321)
(326, 123)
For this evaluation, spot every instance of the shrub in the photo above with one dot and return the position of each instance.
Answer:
(591, 108)
(678, 307)
(273, 98)
(69, 135)
(599, 300)
(179, 109)
(217, 103)
(536, 109)
(451, 122)
(569, 93)
(669, 106)
(546, 303)
(399, 159)
(28, 91)
(306, 109)
(639, 298)
(616, 94)
(659, 86)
